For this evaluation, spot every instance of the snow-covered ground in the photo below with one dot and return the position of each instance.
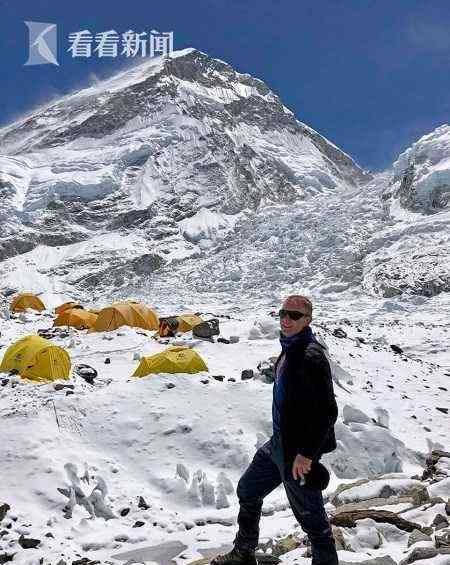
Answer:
(183, 447)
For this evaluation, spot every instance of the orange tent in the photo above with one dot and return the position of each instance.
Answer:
(126, 314)
(77, 318)
(26, 300)
(60, 309)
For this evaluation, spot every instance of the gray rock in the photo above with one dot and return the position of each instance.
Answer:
(61, 386)
(234, 338)
(4, 508)
(417, 536)
(247, 374)
(223, 340)
(138, 524)
(8, 291)
(442, 539)
(352, 414)
(438, 520)
(382, 417)
(28, 543)
(420, 494)
(384, 560)
(142, 503)
(341, 544)
(339, 332)
(420, 553)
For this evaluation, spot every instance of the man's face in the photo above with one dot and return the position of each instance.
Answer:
(291, 327)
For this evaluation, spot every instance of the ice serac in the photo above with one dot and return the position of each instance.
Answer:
(411, 255)
(170, 139)
(421, 181)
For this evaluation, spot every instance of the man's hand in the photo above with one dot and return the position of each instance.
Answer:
(301, 466)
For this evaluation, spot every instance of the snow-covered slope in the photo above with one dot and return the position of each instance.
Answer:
(182, 441)
(153, 146)
(413, 255)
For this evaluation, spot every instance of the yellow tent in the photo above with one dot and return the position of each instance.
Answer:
(66, 306)
(187, 321)
(26, 300)
(94, 310)
(37, 359)
(171, 360)
(183, 323)
(126, 314)
(76, 317)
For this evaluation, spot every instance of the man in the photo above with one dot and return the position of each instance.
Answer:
(304, 411)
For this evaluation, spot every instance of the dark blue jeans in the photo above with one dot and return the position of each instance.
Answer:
(265, 473)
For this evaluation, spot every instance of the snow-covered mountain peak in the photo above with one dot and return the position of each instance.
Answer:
(155, 145)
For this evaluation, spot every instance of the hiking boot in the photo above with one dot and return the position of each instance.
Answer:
(236, 557)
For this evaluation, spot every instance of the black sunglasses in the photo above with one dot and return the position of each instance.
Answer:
(293, 314)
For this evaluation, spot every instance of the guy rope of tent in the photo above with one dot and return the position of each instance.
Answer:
(37, 359)
(171, 360)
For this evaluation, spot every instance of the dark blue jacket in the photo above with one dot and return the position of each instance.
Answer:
(309, 410)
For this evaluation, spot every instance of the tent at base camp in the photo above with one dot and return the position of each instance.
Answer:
(77, 318)
(184, 323)
(37, 359)
(188, 321)
(66, 306)
(171, 360)
(26, 300)
(126, 314)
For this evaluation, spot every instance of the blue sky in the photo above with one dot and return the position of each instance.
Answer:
(372, 76)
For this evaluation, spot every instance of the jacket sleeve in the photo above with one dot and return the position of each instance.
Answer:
(319, 405)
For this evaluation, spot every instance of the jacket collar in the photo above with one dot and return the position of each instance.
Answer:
(296, 341)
